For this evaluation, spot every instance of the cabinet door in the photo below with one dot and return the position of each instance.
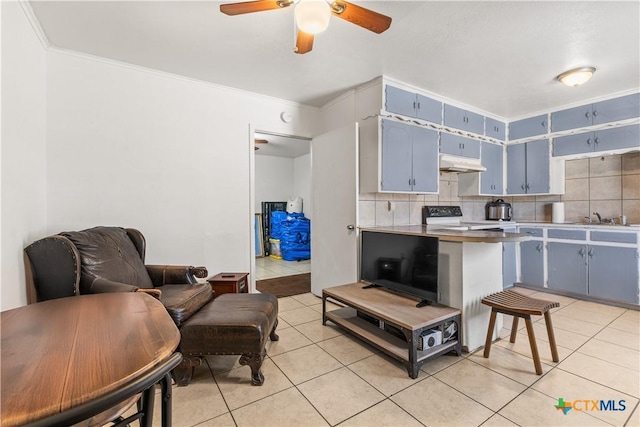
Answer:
(454, 117)
(516, 174)
(509, 273)
(537, 168)
(532, 263)
(612, 110)
(396, 156)
(572, 118)
(573, 144)
(613, 273)
(474, 122)
(494, 129)
(459, 145)
(400, 101)
(622, 137)
(528, 127)
(428, 109)
(491, 179)
(463, 119)
(426, 176)
(567, 264)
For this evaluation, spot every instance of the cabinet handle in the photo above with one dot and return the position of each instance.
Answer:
(418, 105)
(528, 186)
(414, 105)
(588, 141)
(409, 181)
(595, 113)
(582, 252)
(590, 252)
(539, 247)
(414, 181)
(544, 123)
(587, 114)
(597, 140)
(522, 186)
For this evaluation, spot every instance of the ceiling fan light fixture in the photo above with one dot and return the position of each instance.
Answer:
(312, 16)
(577, 76)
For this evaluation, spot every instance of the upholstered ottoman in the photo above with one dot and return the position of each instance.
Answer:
(230, 324)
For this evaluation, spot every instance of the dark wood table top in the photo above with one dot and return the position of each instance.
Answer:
(62, 353)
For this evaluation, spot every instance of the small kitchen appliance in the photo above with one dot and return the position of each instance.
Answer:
(499, 210)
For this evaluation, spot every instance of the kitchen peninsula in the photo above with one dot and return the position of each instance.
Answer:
(469, 268)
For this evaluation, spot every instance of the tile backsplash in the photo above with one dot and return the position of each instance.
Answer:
(609, 185)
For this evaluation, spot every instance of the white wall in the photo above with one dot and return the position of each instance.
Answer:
(302, 181)
(167, 155)
(127, 146)
(23, 165)
(274, 180)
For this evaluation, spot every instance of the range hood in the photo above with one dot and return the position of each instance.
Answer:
(451, 163)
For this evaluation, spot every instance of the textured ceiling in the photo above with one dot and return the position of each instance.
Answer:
(498, 56)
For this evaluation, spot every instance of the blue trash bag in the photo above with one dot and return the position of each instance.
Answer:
(295, 241)
(276, 220)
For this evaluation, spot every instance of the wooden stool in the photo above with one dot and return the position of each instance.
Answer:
(518, 305)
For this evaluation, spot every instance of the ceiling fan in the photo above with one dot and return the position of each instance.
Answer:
(259, 141)
(312, 16)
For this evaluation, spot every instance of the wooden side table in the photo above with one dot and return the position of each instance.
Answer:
(225, 283)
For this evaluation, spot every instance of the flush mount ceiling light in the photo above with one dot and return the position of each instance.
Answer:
(577, 76)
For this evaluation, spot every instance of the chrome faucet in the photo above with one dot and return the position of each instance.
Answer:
(599, 217)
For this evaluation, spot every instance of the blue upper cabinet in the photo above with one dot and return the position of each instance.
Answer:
(410, 104)
(463, 119)
(525, 128)
(602, 140)
(459, 145)
(528, 168)
(611, 110)
(494, 129)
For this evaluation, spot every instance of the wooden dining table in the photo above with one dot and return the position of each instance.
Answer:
(60, 359)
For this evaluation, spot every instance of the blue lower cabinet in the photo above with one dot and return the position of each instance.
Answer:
(509, 273)
(608, 272)
(613, 273)
(532, 262)
(568, 267)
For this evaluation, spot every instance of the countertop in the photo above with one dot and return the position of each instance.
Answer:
(634, 228)
(477, 236)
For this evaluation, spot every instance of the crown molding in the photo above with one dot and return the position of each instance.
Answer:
(35, 24)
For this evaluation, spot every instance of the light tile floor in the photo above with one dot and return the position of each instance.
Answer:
(317, 376)
(268, 268)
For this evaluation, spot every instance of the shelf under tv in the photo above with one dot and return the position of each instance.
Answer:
(395, 310)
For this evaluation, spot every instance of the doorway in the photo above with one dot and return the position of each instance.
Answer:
(282, 170)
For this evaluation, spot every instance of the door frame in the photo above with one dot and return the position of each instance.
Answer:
(252, 195)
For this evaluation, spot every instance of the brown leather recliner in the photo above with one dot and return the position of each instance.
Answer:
(110, 259)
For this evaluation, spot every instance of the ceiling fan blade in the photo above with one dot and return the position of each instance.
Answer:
(304, 42)
(365, 18)
(253, 6)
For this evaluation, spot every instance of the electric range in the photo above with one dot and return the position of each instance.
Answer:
(450, 218)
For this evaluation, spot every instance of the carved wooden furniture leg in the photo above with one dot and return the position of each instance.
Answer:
(184, 372)
(273, 336)
(255, 363)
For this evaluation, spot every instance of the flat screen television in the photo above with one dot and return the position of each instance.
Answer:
(401, 262)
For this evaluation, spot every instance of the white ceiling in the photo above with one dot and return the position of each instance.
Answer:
(498, 56)
(282, 145)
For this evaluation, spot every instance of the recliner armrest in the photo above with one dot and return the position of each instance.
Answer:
(175, 274)
(99, 285)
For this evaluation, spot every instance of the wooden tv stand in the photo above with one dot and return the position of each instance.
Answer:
(397, 311)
